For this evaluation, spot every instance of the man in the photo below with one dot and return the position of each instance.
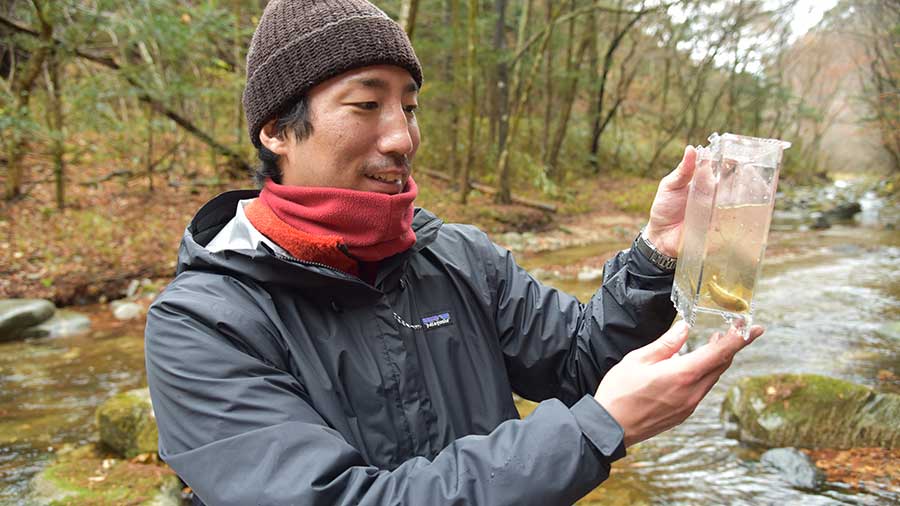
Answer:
(325, 343)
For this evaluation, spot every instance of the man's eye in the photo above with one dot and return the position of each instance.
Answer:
(410, 109)
(368, 106)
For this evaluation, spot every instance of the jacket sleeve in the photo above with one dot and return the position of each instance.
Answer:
(240, 430)
(555, 346)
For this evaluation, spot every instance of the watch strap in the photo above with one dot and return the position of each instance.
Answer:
(657, 258)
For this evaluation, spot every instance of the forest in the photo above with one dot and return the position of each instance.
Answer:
(528, 95)
(546, 123)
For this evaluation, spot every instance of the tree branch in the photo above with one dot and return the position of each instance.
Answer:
(237, 161)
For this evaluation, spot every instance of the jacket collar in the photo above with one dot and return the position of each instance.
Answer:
(267, 266)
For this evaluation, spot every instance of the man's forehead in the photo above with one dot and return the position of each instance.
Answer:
(381, 78)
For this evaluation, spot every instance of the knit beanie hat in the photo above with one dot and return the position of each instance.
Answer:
(300, 43)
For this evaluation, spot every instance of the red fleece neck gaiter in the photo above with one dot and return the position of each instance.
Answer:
(372, 225)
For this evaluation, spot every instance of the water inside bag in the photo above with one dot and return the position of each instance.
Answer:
(726, 226)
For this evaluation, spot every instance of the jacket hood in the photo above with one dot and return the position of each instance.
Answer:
(265, 266)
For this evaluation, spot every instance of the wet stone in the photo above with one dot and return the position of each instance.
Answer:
(127, 310)
(19, 314)
(64, 323)
(844, 211)
(795, 467)
(819, 221)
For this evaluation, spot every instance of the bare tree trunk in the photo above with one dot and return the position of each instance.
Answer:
(452, 67)
(21, 88)
(149, 166)
(237, 48)
(548, 84)
(504, 191)
(471, 41)
(408, 12)
(502, 75)
(608, 58)
(573, 65)
(55, 120)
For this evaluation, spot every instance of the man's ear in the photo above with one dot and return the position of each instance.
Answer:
(272, 142)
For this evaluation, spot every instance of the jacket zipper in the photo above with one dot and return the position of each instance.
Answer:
(306, 262)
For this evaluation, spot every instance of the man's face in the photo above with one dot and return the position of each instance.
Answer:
(364, 133)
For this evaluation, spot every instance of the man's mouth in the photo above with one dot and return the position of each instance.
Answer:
(387, 178)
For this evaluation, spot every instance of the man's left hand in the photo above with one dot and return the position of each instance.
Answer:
(667, 212)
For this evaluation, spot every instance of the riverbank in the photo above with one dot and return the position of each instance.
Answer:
(114, 232)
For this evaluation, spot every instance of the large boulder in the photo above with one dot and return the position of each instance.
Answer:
(64, 323)
(17, 315)
(810, 411)
(127, 425)
(89, 476)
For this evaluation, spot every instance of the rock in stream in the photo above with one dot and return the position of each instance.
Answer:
(795, 467)
(17, 315)
(811, 411)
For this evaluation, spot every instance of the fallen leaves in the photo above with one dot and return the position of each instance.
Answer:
(781, 390)
(861, 468)
(145, 458)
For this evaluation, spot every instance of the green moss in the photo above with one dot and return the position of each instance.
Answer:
(87, 477)
(126, 423)
(812, 411)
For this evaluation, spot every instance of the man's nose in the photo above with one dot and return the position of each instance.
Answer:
(396, 137)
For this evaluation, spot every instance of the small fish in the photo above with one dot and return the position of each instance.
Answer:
(726, 299)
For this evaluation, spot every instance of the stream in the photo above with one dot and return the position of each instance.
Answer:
(822, 297)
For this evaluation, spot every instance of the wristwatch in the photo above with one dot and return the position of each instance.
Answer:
(657, 258)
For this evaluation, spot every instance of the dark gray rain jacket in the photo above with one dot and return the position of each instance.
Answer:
(278, 382)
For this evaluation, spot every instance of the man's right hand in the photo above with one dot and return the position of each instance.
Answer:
(654, 389)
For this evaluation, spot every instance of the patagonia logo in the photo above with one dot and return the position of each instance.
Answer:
(438, 320)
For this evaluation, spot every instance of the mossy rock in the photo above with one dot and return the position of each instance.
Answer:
(88, 477)
(127, 425)
(810, 411)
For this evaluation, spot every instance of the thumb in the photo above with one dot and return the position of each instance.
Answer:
(681, 176)
(667, 345)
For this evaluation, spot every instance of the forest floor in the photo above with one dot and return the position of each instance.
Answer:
(119, 230)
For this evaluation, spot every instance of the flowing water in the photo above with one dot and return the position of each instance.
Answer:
(822, 297)
(49, 390)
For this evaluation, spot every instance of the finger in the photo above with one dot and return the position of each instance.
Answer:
(681, 176)
(756, 331)
(720, 352)
(712, 377)
(667, 345)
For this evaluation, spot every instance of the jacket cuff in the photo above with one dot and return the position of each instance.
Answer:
(600, 428)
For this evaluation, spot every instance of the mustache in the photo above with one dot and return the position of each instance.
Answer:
(389, 162)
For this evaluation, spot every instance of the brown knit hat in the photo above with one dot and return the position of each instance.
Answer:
(300, 43)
